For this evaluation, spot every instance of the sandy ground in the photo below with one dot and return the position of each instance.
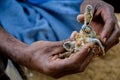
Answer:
(103, 68)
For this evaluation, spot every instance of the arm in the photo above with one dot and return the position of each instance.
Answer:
(42, 56)
(11, 47)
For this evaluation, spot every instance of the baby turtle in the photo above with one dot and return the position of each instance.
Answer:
(86, 35)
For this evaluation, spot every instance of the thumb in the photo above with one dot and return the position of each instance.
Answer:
(73, 35)
(80, 18)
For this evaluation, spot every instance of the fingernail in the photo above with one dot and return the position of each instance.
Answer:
(80, 17)
(104, 40)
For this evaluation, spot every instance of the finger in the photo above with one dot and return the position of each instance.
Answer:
(77, 70)
(114, 38)
(73, 35)
(77, 57)
(107, 14)
(107, 30)
(81, 55)
(111, 45)
(80, 18)
(64, 73)
(72, 63)
(54, 57)
(86, 62)
(58, 47)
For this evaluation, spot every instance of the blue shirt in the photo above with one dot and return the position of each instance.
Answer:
(29, 21)
(36, 1)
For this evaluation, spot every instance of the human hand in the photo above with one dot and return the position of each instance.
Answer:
(104, 23)
(42, 56)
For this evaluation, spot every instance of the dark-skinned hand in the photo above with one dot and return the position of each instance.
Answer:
(104, 22)
(42, 56)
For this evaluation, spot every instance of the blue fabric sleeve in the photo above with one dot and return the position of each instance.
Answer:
(36, 1)
(52, 20)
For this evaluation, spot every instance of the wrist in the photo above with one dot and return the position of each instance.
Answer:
(10, 47)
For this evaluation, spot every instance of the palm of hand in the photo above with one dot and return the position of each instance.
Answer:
(43, 56)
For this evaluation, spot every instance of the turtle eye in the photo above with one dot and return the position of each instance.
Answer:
(67, 45)
(86, 29)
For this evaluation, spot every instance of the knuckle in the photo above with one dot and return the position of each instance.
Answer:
(111, 21)
(110, 7)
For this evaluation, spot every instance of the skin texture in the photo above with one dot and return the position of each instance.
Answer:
(104, 22)
(42, 56)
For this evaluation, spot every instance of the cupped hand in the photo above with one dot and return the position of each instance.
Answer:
(42, 56)
(105, 24)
